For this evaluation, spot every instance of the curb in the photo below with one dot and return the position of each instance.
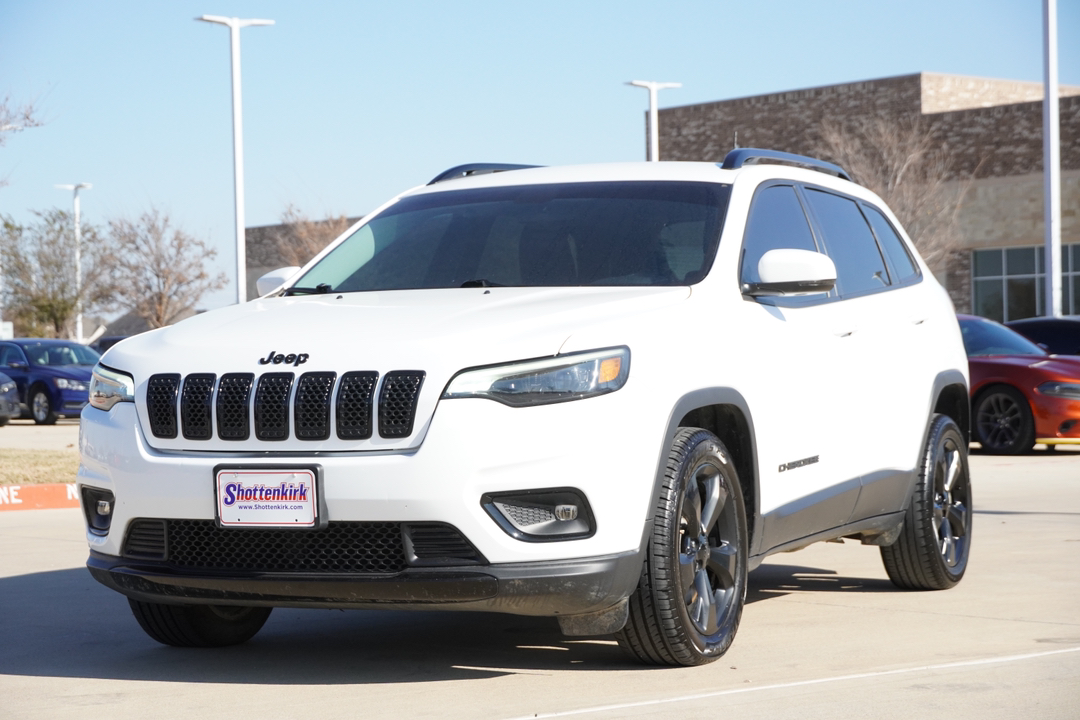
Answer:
(38, 497)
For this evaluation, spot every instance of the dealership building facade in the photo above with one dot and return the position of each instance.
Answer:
(992, 131)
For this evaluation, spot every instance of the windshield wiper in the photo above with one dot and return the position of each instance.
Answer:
(481, 282)
(320, 289)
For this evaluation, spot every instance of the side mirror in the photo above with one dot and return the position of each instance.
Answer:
(18, 365)
(274, 279)
(787, 271)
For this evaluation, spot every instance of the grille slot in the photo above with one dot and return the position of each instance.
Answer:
(312, 410)
(272, 406)
(146, 539)
(438, 543)
(161, 404)
(397, 402)
(232, 406)
(342, 547)
(354, 405)
(196, 407)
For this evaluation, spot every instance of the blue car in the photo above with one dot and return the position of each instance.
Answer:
(52, 377)
(9, 399)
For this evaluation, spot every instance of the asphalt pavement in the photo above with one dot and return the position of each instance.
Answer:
(824, 635)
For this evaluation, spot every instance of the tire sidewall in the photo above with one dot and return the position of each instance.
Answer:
(703, 446)
(943, 430)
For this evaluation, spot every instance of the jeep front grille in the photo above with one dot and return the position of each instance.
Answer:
(161, 404)
(272, 406)
(232, 406)
(341, 547)
(194, 405)
(397, 402)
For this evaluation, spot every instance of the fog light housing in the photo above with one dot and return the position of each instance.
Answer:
(98, 506)
(546, 515)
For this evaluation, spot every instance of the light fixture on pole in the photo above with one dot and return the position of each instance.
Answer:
(654, 121)
(234, 25)
(78, 258)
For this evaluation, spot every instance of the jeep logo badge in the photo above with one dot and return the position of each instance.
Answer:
(277, 359)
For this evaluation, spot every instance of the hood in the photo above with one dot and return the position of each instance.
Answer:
(70, 372)
(439, 332)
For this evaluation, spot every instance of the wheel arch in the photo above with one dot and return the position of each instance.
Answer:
(951, 398)
(725, 413)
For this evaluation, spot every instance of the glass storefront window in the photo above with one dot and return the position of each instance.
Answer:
(1008, 283)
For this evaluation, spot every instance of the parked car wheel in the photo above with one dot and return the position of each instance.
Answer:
(1003, 421)
(688, 603)
(199, 625)
(41, 407)
(4, 420)
(932, 551)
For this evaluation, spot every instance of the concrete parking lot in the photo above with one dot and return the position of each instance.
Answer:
(824, 635)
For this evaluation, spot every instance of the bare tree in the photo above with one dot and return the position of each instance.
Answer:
(159, 272)
(38, 263)
(909, 168)
(14, 118)
(302, 238)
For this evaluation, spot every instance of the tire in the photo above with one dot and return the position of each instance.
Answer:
(1003, 421)
(4, 420)
(41, 408)
(932, 550)
(199, 625)
(688, 603)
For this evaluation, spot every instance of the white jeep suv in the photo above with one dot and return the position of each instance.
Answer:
(601, 393)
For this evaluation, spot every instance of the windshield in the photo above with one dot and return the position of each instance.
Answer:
(60, 354)
(983, 337)
(573, 234)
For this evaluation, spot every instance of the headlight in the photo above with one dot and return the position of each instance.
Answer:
(1060, 389)
(65, 384)
(108, 387)
(552, 380)
(6, 387)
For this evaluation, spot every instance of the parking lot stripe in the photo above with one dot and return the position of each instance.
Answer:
(801, 683)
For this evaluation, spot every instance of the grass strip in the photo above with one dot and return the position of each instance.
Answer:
(35, 467)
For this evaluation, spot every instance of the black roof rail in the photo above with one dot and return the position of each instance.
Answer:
(476, 169)
(752, 156)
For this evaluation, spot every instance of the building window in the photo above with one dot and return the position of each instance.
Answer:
(1009, 283)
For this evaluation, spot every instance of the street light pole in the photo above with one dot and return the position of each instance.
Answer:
(234, 25)
(78, 259)
(654, 119)
(1051, 161)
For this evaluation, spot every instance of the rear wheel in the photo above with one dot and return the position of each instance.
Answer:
(41, 408)
(1003, 421)
(199, 625)
(932, 550)
(689, 600)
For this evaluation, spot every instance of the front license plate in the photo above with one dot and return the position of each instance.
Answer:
(267, 498)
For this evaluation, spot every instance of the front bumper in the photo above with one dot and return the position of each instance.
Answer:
(564, 587)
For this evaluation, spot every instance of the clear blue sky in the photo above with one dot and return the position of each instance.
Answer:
(348, 103)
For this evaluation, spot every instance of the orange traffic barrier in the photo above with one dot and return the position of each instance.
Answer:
(38, 497)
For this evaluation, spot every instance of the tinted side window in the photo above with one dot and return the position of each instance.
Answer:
(892, 244)
(776, 221)
(849, 242)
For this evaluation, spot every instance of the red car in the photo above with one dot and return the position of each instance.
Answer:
(1020, 394)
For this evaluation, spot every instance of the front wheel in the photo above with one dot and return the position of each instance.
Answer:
(41, 408)
(689, 601)
(199, 625)
(1003, 421)
(932, 550)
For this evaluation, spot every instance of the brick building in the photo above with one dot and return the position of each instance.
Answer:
(992, 130)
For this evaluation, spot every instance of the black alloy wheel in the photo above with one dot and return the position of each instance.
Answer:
(1003, 421)
(932, 550)
(689, 601)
